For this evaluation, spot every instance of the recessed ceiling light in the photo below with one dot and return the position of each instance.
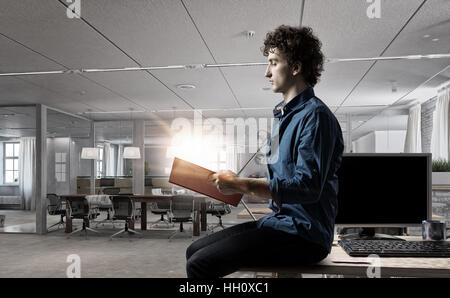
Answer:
(185, 86)
(250, 33)
(435, 39)
(426, 35)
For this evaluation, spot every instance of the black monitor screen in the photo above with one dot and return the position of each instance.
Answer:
(384, 189)
(106, 182)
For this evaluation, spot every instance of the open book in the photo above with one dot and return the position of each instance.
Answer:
(194, 177)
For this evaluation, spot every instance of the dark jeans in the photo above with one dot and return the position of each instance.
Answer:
(244, 245)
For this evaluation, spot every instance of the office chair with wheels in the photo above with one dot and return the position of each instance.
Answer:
(124, 209)
(181, 209)
(56, 207)
(161, 208)
(81, 209)
(218, 210)
(103, 203)
(110, 191)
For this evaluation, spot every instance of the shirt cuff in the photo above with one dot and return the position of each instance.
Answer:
(274, 186)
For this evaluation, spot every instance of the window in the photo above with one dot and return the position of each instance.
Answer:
(215, 160)
(60, 167)
(11, 163)
(100, 163)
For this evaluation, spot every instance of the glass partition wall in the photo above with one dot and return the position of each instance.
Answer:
(112, 169)
(111, 137)
(17, 149)
(66, 136)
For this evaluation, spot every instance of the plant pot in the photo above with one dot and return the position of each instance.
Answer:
(440, 178)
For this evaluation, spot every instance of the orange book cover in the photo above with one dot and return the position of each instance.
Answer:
(194, 177)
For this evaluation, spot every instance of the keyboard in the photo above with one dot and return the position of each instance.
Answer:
(396, 248)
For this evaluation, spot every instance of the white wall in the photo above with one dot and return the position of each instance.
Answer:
(392, 141)
(365, 144)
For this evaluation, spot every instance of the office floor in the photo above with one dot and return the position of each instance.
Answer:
(31, 255)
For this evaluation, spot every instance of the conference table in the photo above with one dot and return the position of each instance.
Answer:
(198, 220)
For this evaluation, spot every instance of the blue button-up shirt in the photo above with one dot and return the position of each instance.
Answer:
(302, 169)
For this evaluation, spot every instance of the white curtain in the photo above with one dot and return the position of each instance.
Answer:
(108, 159)
(413, 141)
(232, 158)
(440, 138)
(27, 172)
(119, 171)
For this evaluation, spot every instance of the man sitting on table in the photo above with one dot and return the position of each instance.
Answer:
(301, 182)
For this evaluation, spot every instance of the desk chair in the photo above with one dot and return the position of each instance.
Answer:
(80, 208)
(56, 207)
(124, 210)
(109, 191)
(218, 210)
(181, 209)
(104, 204)
(161, 208)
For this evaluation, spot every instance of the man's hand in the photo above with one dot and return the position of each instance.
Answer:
(226, 182)
(229, 183)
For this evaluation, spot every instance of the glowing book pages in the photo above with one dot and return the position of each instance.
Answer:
(194, 177)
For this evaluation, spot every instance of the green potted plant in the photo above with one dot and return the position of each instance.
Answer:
(441, 172)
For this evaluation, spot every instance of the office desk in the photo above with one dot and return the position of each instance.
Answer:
(389, 267)
(199, 218)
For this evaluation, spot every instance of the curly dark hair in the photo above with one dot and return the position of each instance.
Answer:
(297, 44)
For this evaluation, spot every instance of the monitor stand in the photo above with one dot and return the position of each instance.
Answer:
(368, 234)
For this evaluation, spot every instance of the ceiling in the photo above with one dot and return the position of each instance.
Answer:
(39, 36)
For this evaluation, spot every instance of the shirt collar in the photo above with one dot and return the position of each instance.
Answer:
(282, 109)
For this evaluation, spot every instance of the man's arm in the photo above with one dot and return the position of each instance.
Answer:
(258, 187)
(228, 183)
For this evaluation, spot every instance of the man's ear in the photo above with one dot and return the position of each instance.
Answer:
(297, 69)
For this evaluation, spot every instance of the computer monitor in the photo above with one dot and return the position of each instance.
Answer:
(384, 190)
(106, 182)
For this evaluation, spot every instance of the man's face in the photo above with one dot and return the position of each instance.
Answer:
(278, 72)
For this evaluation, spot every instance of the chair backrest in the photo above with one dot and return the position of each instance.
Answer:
(148, 181)
(111, 191)
(123, 207)
(54, 203)
(106, 182)
(219, 208)
(182, 206)
(79, 207)
(162, 205)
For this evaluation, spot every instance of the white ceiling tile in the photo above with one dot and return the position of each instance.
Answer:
(16, 58)
(211, 89)
(141, 88)
(376, 88)
(347, 32)
(248, 83)
(223, 25)
(45, 27)
(433, 20)
(338, 80)
(155, 33)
